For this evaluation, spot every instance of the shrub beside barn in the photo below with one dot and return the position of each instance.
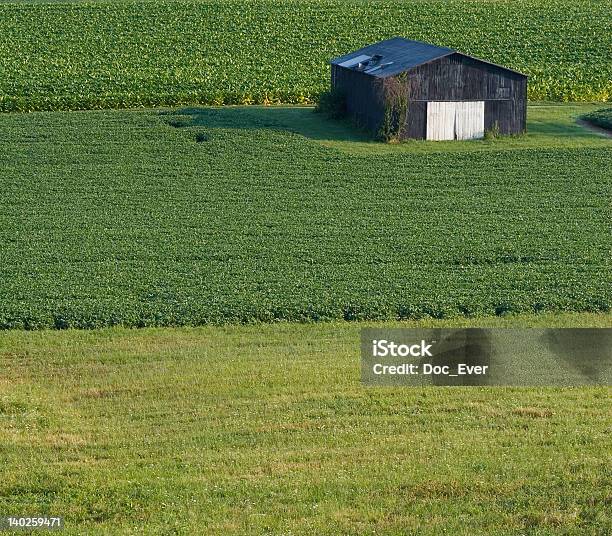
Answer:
(408, 89)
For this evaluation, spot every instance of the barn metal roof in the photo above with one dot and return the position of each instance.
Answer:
(397, 55)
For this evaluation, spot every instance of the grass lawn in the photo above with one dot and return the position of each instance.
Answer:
(234, 215)
(266, 429)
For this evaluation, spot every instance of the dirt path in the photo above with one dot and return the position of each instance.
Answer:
(601, 131)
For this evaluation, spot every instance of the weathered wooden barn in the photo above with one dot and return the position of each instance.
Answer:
(429, 92)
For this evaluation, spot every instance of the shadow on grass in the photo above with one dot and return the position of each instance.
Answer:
(547, 126)
(300, 120)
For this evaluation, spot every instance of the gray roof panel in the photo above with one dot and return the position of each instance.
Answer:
(404, 54)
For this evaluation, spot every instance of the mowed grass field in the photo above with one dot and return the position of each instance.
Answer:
(266, 430)
(237, 215)
(117, 54)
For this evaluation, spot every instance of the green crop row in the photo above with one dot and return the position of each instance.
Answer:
(145, 218)
(131, 54)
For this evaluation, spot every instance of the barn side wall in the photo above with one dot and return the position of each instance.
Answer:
(363, 100)
(460, 78)
(453, 78)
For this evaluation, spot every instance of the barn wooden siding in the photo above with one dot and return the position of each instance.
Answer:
(363, 101)
(455, 77)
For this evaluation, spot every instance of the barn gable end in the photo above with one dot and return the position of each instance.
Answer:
(462, 78)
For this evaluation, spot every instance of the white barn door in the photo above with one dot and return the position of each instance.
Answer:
(455, 120)
(469, 120)
(440, 121)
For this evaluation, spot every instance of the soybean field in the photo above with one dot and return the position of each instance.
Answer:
(219, 215)
(103, 54)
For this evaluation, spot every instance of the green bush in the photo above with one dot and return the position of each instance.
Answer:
(600, 118)
(332, 104)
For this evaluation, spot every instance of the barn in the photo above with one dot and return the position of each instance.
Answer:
(407, 89)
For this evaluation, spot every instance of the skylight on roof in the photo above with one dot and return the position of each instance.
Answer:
(354, 61)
